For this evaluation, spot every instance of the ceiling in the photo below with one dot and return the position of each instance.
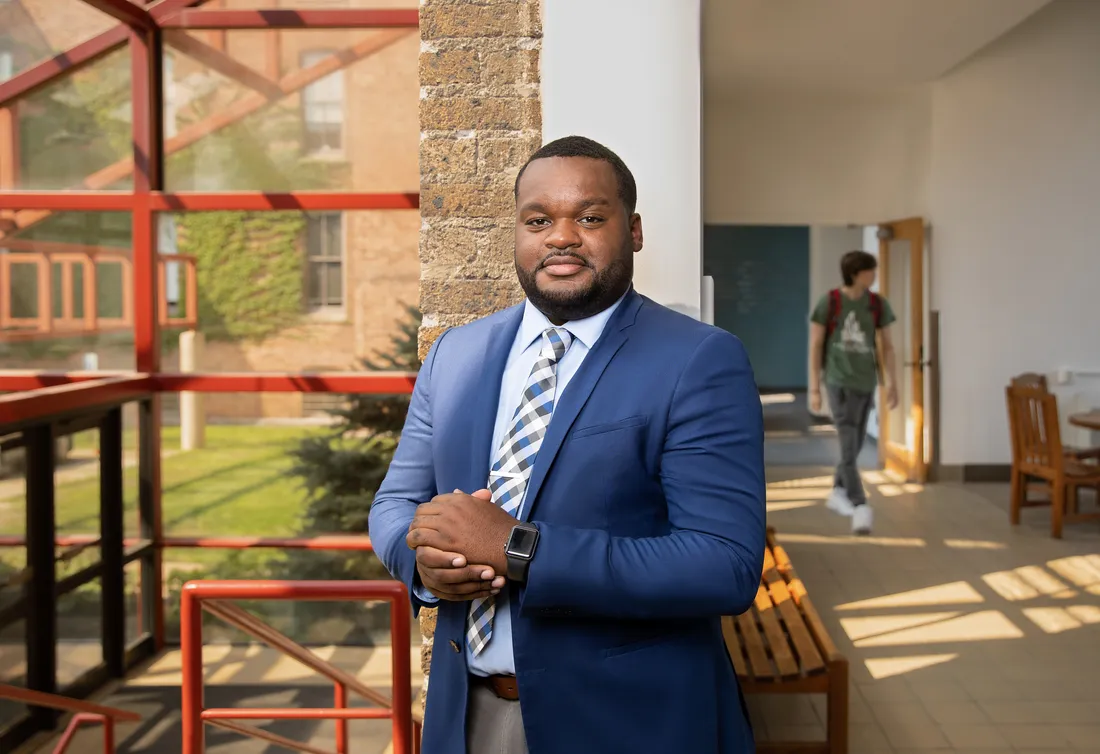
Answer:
(845, 45)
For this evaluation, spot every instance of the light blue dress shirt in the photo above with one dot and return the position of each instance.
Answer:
(497, 657)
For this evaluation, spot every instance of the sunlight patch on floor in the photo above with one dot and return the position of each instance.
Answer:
(974, 544)
(869, 627)
(986, 625)
(850, 539)
(1026, 583)
(791, 505)
(887, 667)
(803, 493)
(955, 593)
(1055, 620)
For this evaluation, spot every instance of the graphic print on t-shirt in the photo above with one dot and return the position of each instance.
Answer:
(852, 338)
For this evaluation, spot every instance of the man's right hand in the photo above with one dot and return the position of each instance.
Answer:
(815, 401)
(449, 577)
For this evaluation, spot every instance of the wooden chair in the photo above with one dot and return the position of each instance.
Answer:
(1039, 381)
(1038, 453)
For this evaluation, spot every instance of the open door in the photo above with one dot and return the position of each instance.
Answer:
(901, 280)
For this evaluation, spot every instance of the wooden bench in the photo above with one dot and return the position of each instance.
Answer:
(780, 646)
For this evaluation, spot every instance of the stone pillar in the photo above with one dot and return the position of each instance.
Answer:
(480, 118)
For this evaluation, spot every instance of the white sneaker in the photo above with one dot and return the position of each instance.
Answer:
(861, 519)
(838, 502)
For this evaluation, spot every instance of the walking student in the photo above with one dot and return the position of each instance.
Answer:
(852, 362)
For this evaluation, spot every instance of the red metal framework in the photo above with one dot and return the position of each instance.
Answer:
(216, 597)
(50, 394)
(85, 713)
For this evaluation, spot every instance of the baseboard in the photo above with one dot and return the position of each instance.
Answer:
(974, 472)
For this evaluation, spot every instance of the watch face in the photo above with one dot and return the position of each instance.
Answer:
(522, 542)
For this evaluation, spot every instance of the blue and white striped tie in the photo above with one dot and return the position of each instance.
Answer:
(513, 462)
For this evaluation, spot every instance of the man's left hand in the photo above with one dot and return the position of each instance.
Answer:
(468, 524)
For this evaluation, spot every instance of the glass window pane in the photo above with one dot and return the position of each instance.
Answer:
(316, 284)
(79, 248)
(334, 241)
(13, 668)
(334, 284)
(33, 31)
(75, 133)
(79, 632)
(23, 290)
(352, 128)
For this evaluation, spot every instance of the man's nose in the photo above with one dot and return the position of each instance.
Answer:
(563, 235)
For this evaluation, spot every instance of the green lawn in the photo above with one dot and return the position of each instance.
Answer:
(237, 485)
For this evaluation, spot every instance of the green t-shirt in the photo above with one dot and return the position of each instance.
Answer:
(850, 351)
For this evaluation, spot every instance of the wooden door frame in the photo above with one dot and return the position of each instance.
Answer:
(912, 463)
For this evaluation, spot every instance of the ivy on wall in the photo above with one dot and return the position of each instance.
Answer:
(249, 269)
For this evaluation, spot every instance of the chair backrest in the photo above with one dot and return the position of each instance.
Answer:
(1035, 431)
(1030, 379)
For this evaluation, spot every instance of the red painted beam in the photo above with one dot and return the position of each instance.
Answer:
(293, 200)
(129, 13)
(293, 19)
(78, 201)
(197, 201)
(335, 542)
(71, 60)
(51, 401)
(382, 383)
(81, 55)
(218, 61)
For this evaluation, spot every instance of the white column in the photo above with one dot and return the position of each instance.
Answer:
(192, 411)
(627, 73)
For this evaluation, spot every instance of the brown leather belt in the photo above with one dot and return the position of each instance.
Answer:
(504, 686)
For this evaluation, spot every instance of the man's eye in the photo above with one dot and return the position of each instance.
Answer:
(538, 221)
(589, 219)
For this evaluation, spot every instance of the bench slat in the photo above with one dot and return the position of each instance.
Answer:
(799, 633)
(733, 646)
(754, 645)
(766, 608)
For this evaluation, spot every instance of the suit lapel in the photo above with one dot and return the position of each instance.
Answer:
(577, 392)
(482, 400)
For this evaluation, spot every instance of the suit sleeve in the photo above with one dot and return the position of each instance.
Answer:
(712, 472)
(409, 481)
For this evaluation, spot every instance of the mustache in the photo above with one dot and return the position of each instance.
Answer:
(560, 254)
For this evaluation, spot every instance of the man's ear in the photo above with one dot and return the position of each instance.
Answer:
(636, 231)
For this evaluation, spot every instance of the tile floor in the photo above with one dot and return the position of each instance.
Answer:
(963, 633)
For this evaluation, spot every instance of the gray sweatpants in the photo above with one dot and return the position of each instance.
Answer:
(850, 409)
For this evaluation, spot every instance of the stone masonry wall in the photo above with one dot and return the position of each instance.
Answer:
(480, 118)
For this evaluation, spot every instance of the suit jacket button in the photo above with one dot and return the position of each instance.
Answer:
(454, 645)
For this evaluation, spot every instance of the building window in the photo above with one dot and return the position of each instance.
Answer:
(7, 61)
(323, 108)
(325, 260)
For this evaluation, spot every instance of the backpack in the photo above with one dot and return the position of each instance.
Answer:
(833, 316)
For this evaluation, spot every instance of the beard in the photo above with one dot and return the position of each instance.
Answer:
(604, 289)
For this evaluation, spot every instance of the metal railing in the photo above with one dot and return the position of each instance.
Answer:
(216, 598)
(85, 713)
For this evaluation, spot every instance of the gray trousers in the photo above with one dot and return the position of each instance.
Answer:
(493, 725)
(850, 409)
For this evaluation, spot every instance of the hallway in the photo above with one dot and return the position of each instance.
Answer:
(963, 633)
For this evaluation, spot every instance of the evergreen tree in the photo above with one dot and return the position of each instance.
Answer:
(343, 469)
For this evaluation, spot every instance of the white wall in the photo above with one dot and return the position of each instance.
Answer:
(627, 73)
(1015, 201)
(789, 157)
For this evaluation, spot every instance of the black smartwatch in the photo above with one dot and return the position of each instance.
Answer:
(520, 549)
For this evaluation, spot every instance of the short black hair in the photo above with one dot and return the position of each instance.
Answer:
(580, 146)
(855, 262)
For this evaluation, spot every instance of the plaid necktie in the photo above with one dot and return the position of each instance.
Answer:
(512, 464)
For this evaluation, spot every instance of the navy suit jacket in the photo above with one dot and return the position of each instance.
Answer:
(648, 492)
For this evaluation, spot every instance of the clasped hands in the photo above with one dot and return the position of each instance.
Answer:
(459, 541)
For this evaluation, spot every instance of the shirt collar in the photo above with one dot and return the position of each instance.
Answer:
(587, 330)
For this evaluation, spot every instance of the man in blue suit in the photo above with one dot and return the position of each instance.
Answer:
(579, 488)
